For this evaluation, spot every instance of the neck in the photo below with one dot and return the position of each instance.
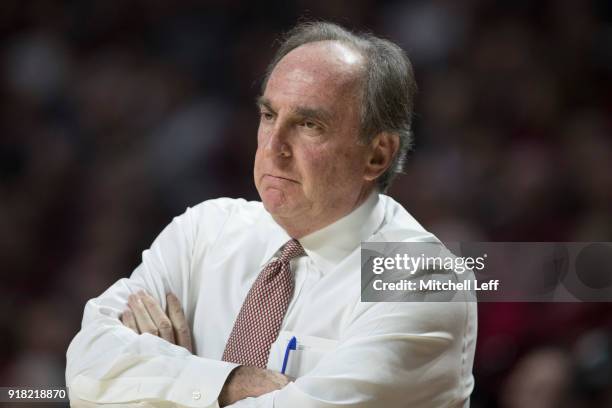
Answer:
(302, 226)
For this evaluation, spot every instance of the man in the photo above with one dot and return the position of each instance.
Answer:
(258, 304)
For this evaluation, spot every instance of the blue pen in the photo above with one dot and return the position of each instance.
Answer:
(292, 345)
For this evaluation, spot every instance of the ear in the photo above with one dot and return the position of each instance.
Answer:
(382, 151)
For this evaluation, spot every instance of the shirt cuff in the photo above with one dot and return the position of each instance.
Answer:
(201, 382)
(263, 401)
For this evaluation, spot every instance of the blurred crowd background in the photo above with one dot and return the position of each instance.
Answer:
(117, 115)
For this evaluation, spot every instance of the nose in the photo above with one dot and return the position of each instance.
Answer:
(277, 143)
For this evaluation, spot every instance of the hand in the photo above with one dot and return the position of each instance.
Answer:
(247, 381)
(144, 315)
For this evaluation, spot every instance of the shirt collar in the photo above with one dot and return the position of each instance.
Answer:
(328, 246)
(271, 233)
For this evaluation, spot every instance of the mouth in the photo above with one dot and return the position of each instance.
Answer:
(280, 178)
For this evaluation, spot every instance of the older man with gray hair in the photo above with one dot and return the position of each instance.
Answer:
(257, 304)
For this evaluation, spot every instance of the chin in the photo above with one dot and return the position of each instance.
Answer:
(278, 204)
(274, 201)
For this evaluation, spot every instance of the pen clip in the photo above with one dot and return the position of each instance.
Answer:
(292, 345)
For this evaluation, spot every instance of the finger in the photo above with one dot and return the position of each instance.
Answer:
(179, 322)
(127, 318)
(161, 321)
(143, 320)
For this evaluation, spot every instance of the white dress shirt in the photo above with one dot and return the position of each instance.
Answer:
(350, 353)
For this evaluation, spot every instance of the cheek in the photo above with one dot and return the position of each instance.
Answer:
(256, 158)
(260, 134)
(257, 166)
(341, 170)
(321, 166)
(260, 143)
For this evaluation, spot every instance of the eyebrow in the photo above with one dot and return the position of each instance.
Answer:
(263, 102)
(302, 111)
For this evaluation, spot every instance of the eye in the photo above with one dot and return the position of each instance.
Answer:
(308, 124)
(266, 116)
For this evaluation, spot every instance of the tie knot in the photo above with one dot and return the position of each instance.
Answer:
(291, 250)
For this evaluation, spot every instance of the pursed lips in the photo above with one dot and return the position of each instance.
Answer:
(280, 178)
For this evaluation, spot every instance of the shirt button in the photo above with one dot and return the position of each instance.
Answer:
(196, 395)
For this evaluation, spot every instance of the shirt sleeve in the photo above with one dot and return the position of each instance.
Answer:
(416, 355)
(107, 363)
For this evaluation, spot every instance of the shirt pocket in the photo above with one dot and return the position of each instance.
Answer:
(310, 350)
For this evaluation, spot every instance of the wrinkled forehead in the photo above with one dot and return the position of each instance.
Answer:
(325, 65)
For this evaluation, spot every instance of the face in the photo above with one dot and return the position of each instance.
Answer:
(310, 163)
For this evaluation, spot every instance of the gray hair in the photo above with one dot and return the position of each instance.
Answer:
(389, 86)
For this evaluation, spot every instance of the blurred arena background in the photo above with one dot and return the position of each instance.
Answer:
(117, 115)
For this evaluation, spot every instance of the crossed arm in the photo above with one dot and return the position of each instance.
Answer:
(144, 315)
(390, 354)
